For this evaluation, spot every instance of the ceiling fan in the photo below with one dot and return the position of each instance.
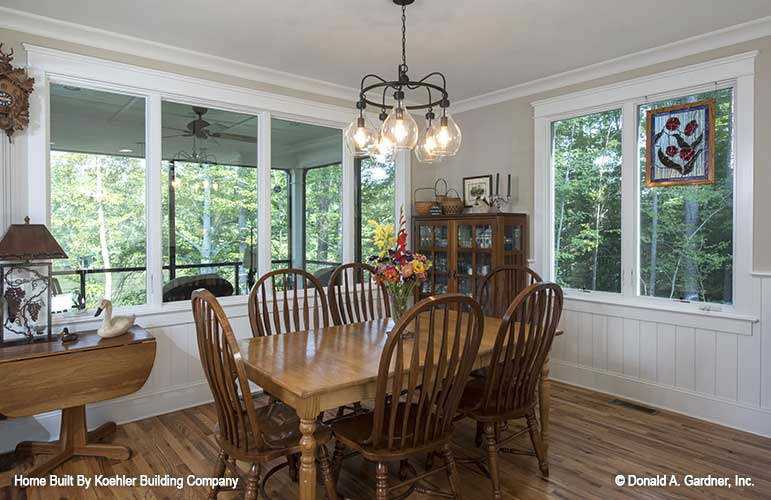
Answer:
(199, 128)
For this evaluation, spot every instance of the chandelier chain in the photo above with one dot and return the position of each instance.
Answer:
(404, 37)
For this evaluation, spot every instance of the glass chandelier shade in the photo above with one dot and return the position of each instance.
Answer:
(360, 137)
(382, 151)
(448, 136)
(425, 151)
(400, 128)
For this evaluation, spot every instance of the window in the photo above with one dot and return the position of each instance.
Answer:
(323, 219)
(587, 201)
(156, 189)
(600, 230)
(209, 200)
(98, 197)
(374, 201)
(686, 232)
(306, 197)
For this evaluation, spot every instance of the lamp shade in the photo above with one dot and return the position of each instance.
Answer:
(29, 242)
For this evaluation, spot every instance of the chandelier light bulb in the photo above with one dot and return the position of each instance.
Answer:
(400, 128)
(359, 137)
(448, 137)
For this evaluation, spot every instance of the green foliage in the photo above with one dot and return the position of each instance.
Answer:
(686, 232)
(323, 216)
(377, 201)
(216, 217)
(587, 218)
(93, 192)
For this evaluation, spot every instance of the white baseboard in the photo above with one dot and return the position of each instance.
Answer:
(45, 426)
(701, 406)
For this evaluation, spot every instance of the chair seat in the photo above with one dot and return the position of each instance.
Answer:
(471, 403)
(355, 432)
(280, 428)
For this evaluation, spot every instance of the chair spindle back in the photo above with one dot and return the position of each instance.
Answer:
(521, 347)
(224, 370)
(299, 303)
(499, 288)
(424, 367)
(355, 297)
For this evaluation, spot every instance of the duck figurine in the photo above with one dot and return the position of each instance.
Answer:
(112, 327)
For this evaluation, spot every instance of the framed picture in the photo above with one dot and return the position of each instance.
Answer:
(680, 146)
(475, 188)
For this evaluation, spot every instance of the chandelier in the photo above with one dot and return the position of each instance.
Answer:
(399, 131)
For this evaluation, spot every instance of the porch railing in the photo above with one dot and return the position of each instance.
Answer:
(236, 265)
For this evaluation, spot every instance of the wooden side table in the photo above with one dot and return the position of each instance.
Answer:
(48, 376)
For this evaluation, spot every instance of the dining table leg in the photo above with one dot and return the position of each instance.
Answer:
(543, 407)
(308, 459)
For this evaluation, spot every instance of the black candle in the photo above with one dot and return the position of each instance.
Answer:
(509, 189)
(497, 182)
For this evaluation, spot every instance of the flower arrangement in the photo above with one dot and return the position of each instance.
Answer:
(399, 269)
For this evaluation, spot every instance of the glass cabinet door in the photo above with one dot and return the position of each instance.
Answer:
(512, 244)
(433, 242)
(474, 256)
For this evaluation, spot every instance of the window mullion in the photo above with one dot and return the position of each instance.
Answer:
(264, 165)
(630, 233)
(349, 209)
(153, 194)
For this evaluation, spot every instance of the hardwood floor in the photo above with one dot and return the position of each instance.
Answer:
(591, 442)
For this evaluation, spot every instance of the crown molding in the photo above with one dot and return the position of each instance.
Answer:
(731, 35)
(47, 27)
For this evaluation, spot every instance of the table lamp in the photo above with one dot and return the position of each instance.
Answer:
(26, 251)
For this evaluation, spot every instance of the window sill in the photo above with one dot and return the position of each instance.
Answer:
(86, 318)
(661, 311)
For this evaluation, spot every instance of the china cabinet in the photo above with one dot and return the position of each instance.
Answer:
(465, 248)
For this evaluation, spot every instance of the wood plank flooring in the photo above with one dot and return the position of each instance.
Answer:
(591, 442)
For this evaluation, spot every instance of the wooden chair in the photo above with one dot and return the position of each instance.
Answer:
(499, 288)
(354, 297)
(299, 303)
(508, 390)
(423, 369)
(245, 433)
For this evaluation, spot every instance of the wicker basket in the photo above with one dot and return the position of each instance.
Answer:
(423, 207)
(440, 197)
(452, 205)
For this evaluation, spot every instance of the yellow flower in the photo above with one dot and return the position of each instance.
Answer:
(385, 237)
(417, 267)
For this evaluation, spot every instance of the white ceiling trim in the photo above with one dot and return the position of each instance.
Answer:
(94, 37)
(687, 47)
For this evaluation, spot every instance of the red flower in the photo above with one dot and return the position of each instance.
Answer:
(671, 150)
(673, 124)
(691, 128)
(686, 154)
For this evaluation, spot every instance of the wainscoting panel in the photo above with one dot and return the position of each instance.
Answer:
(690, 366)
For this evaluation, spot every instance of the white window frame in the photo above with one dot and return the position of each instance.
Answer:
(734, 71)
(49, 66)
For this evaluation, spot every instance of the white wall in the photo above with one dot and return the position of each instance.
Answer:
(688, 366)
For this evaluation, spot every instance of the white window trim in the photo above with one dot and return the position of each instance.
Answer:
(738, 70)
(54, 66)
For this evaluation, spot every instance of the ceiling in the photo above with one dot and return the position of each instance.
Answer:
(481, 45)
(93, 121)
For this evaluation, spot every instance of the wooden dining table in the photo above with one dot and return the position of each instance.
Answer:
(325, 368)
